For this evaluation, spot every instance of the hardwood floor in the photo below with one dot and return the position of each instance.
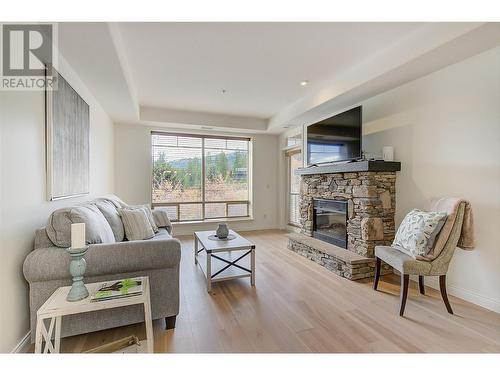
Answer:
(298, 306)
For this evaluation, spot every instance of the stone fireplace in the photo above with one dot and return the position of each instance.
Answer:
(346, 210)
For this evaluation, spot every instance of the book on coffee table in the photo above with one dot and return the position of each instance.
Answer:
(117, 289)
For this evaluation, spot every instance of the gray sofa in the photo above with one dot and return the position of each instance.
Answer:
(46, 268)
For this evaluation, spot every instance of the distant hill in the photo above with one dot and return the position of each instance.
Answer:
(183, 163)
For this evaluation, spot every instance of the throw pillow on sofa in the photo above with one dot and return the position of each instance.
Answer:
(417, 230)
(109, 210)
(118, 203)
(97, 228)
(149, 215)
(136, 223)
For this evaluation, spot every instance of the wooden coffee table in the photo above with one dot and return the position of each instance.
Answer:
(220, 263)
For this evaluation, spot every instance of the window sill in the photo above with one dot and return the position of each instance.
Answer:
(228, 220)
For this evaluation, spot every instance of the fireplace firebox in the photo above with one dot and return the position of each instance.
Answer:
(330, 221)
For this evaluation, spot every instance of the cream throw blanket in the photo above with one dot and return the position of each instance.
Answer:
(450, 205)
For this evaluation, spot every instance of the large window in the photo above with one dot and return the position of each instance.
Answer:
(199, 177)
(294, 162)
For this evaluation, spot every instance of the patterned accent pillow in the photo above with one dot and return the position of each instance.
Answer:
(136, 223)
(415, 231)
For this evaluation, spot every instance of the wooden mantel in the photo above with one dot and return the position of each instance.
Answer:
(355, 166)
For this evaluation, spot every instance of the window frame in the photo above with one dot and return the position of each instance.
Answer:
(288, 154)
(203, 200)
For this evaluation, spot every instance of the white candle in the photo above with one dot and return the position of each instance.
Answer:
(78, 235)
(388, 153)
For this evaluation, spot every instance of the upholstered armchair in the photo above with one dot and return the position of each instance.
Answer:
(407, 265)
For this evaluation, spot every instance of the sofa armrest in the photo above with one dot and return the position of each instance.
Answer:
(52, 263)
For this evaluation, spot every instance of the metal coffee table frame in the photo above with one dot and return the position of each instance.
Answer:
(212, 247)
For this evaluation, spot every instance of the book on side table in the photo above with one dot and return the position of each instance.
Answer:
(117, 289)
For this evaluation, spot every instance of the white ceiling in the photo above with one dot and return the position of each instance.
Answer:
(187, 65)
(166, 73)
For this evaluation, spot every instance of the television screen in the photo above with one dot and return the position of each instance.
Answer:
(337, 138)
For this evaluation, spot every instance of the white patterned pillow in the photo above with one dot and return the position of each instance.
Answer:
(415, 230)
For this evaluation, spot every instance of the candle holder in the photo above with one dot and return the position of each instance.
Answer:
(77, 267)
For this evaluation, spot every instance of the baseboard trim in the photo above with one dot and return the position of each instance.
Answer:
(465, 294)
(23, 345)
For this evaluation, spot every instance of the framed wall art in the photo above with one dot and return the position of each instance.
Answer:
(67, 118)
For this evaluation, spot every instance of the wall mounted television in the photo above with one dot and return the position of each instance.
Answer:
(337, 138)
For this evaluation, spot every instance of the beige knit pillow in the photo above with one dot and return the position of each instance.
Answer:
(136, 224)
(149, 215)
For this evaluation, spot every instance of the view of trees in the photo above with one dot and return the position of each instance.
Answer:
(181, 177)
(226, 176)
(220, 167)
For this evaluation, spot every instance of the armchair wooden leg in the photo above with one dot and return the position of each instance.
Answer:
(403, 293)
(377, 273)
(442, 287)
(421, 284)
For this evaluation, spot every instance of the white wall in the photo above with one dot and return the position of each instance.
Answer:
(23, 204)
(133, 175)
(445, 128)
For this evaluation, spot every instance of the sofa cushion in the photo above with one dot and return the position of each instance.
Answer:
(402, 262)
(108, 209)
(97, 228)
(115, 200)
(136, 223)
(162, 234)
(149, 215)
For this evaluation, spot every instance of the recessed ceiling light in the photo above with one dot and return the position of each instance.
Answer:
(304, 82)
(224, 91)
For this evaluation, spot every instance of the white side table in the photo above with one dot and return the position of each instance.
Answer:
(56, 307)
